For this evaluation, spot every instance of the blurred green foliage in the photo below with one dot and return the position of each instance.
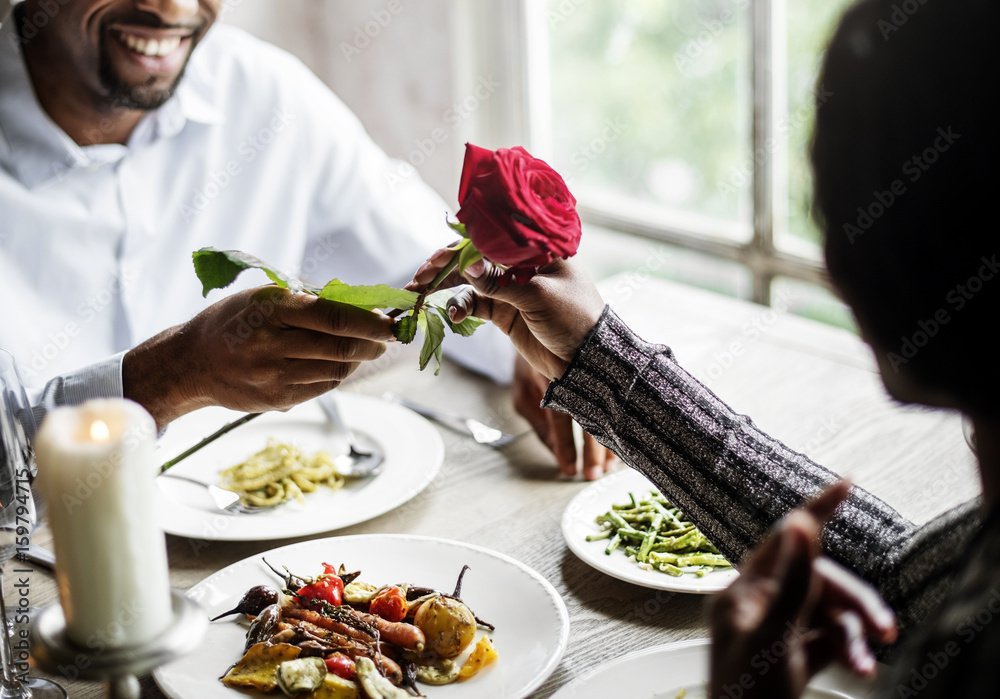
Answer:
(652, 99)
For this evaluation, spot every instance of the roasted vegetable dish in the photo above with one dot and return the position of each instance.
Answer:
(335, 636)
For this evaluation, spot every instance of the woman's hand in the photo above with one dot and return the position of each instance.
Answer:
(547, 317)
(792, 612)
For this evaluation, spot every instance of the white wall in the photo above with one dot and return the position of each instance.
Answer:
(391, 61)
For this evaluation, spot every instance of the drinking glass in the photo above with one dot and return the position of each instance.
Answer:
(17, 516)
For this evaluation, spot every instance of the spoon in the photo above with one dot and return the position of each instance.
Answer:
(356, 463)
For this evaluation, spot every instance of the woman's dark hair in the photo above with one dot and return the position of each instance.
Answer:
(906, 186)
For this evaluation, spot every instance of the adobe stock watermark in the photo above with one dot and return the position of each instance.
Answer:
(248, 150)
(632, 281)
(453, 117)
(936, 661)
(364, 34)
(957, 298)
(900, 15)
(30, 26)
(584, 156)
(95, 479)
(711, 30)
(764, 660)
(741, 176)
(102, 639)
(913, 169)
(751, 331)
(87, 311)
(563, 11)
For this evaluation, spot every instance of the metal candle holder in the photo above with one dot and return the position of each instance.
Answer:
(118, 667)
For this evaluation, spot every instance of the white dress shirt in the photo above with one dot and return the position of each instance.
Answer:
(252, 152)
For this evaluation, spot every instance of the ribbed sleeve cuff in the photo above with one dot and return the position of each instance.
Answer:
(101, 380)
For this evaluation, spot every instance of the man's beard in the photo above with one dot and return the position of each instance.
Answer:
(144, 97)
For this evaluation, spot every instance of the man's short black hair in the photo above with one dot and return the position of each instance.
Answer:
(906, 186)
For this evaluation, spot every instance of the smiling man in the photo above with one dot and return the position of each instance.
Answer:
(133, 132)
(89, 60)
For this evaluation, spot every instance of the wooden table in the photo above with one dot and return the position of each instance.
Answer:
(810, 385)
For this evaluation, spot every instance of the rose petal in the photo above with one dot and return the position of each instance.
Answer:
(474, 157)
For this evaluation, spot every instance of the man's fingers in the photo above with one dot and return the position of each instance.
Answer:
(563, 444)
(309, 344)
(594, 458)
(311, 371)
(333, 318)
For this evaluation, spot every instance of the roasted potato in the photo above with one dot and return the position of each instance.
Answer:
(448, 624)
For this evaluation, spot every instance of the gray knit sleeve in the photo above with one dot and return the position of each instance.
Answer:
(735, 481)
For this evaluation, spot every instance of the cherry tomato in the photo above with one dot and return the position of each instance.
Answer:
(341, 666)
(390, 604)
(328, 588)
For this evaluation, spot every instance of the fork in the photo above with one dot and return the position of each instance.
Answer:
(226, 500)
(481, 432)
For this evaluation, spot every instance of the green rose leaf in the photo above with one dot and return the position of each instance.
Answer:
(465, 328)
(439, 301)
(458, 228)
(433, 329)
(405, 329)
(218, 269)
(369, 297)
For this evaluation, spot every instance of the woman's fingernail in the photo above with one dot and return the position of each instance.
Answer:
(452, 312)
(476, 269)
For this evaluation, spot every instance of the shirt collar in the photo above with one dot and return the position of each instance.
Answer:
(34, 149)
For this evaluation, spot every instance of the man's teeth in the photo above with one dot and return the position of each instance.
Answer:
(151, 47)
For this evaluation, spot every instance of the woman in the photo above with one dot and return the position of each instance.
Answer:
(903, 155)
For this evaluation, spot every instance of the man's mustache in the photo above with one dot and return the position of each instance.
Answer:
(148, 20)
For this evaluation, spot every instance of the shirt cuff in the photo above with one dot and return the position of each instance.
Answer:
(101, 380)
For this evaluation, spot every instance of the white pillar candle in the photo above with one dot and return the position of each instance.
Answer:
(96, 470)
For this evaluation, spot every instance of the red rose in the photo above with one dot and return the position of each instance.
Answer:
(516, 209)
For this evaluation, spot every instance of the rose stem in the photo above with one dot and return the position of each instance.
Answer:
(441, 276)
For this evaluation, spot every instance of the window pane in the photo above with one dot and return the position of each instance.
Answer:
(651, 101)
(810, 26)
(605, 253)
(811, 301)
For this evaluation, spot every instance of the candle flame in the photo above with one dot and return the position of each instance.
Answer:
(99, 431)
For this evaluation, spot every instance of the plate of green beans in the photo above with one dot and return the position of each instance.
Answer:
(622, 526)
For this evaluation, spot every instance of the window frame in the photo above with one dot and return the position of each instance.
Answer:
(518, 53)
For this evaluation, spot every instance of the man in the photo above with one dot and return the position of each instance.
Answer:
(133, 135)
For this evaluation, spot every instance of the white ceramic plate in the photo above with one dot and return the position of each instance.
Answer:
(532, 624)
(596, 499)
(661, 672)
(413, 455)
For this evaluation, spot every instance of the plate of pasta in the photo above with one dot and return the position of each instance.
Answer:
(316, 500)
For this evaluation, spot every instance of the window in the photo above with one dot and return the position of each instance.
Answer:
(685, 122)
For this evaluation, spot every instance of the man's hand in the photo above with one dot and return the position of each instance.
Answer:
(792, 612)
(556, 428)
(257, 350)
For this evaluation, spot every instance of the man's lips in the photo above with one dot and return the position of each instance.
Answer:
(157, 51)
